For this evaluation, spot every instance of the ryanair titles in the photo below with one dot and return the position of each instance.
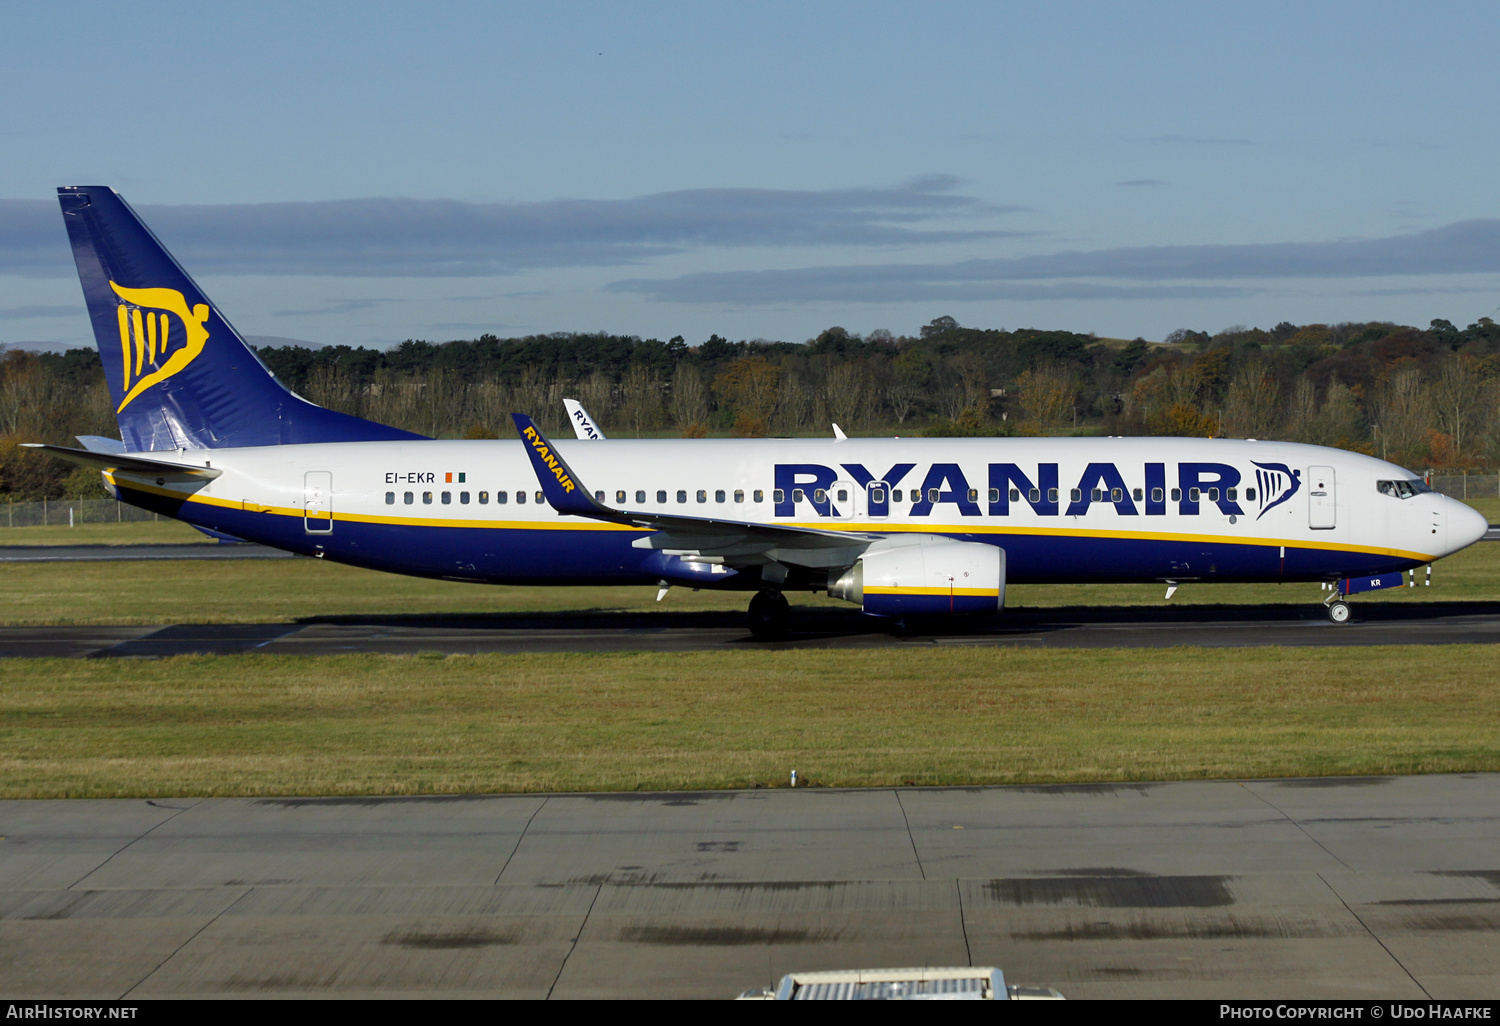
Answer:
(1191, 487)
(544, 457)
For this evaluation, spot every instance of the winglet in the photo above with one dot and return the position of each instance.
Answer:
(565, 493)
(583, 425)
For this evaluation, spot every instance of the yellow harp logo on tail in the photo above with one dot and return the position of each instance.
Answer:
(148, 338)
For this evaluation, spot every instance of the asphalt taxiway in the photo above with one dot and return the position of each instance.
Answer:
(1376, 887)
(1431, 623)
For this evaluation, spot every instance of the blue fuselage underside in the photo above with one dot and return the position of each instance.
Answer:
(582, 557)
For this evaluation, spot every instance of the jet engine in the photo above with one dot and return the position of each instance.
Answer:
(916, 576)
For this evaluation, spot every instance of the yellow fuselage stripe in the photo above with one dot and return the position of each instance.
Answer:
(874, 528)
(960, 592)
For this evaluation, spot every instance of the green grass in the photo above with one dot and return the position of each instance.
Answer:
(149, 532)
(288, 590)
(369, 724)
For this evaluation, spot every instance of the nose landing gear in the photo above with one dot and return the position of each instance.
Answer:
(770, 615)
(1338, 609)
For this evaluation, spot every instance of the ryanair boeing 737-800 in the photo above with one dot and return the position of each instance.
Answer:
(898, 526)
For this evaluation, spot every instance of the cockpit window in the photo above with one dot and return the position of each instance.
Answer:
(1403, 489)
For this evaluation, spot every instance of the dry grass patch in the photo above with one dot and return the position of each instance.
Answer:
(262, 725)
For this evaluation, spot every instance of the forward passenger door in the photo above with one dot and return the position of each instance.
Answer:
(1322, 496)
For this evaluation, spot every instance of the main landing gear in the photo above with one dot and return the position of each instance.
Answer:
(770, 615)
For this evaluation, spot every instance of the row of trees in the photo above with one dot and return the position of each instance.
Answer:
(1421, 397)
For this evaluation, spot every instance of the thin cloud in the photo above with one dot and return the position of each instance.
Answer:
(893, 284)
(23, 313)
(335, 306)
(1201, 140)
(434, 238)
(1466, 247)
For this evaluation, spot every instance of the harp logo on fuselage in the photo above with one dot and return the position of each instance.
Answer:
(1278, 483)
(159, 336)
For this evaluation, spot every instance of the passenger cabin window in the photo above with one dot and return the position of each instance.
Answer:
(1176, 494)
(407, 498)
(819, 495)
(520, 498)
(842, 496)
(501, 498)
(1232, 495)
(1213, 495)
(1156, 495)
(778, 495)
(447, 498)
(760, 496)
(427, 498)
(932, 495)
(681, 495)
(796, 494)
(390, 498)
(1077, 496)
(1116, 494)
(620, 495)
(1193, 494)
(1015, 494)
(484, 498)
(739, 495)
(973, 494)
(896, 495)
(719, 495)
(1249, 494)
(1051, 494)
(463, 498)
(1138, 495)
(702, 495)
(1096, 495)
(994, 495)
(540, 498)
(661, 496)
(640, 498)
(877, 495)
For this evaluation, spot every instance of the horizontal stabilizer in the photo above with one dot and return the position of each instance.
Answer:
(131, 464)
(101, 443)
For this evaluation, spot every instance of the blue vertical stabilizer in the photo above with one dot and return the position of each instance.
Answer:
(179, 375)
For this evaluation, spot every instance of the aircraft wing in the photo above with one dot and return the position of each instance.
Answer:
(734, 540)
(130, 463)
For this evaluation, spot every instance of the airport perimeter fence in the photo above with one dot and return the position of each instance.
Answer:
(1467, 486)
(70, 512)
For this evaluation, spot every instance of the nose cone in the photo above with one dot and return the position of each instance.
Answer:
(1465, 525)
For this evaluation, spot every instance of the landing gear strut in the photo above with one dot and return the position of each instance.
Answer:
(769, 615)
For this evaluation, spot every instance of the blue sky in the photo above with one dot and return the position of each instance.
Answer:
(364, 173)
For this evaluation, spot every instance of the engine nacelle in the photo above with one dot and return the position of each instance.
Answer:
(916, 576)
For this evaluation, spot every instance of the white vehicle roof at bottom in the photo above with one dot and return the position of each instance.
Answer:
(963, 983)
